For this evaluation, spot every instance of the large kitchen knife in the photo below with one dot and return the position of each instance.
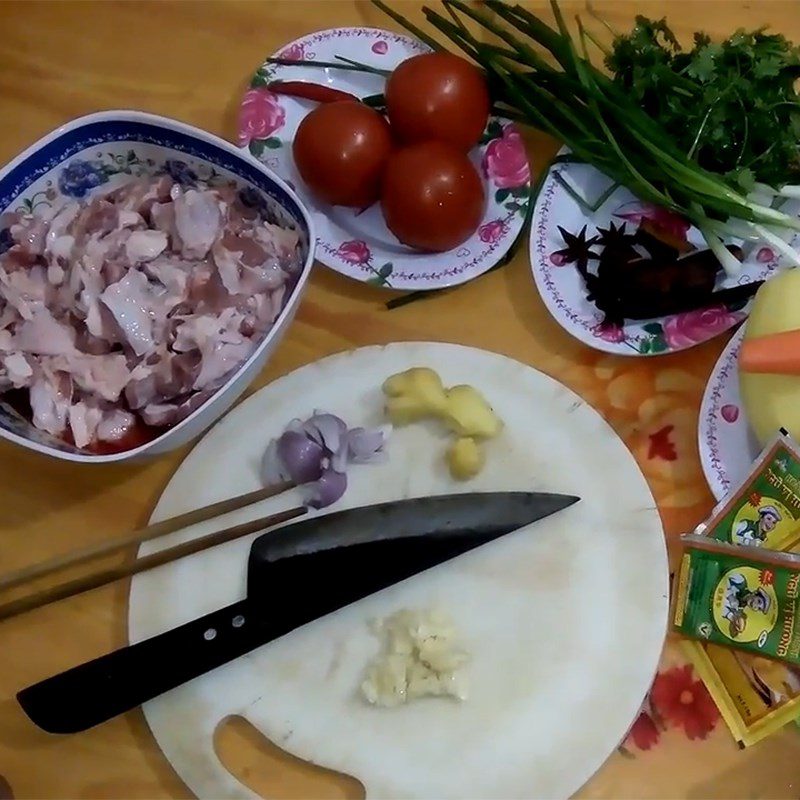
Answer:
(295, 574)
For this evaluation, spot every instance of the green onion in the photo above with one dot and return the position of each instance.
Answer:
(583, 107)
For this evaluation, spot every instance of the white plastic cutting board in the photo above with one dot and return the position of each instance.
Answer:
(564, 619)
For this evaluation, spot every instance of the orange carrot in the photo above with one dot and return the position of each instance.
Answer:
(775, 353)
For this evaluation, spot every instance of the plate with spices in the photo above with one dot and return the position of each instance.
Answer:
(630, 278)
(412, 188)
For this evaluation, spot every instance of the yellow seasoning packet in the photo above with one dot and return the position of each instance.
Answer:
(756, 694)
(739, 598)
(764, 511)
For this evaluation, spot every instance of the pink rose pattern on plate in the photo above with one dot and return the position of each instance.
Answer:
(730, 412)
(505, 161)
(687, 329)
(294, 52)
(354, 252)
(609, 333)
(660, 218)
(492, 231)
(259, 116)
(357, 253)
(381, 47)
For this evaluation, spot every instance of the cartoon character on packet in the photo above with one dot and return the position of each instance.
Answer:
(754, 532)
(738, 599)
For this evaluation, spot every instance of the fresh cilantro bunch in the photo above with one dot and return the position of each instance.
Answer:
(732, 106)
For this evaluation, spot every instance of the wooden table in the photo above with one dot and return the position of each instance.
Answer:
(191, 61)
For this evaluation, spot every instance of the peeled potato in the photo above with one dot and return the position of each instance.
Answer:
(773, 401)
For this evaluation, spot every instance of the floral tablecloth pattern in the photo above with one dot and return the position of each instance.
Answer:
(653, 405)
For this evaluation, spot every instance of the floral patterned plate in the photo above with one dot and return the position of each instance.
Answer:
(563, 290)
(358, 244)
(727, 445)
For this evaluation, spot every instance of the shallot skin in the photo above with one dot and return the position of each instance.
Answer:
(315, 454)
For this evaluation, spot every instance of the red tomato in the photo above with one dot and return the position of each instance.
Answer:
(432, 196)
(340, 150)
(437, 96)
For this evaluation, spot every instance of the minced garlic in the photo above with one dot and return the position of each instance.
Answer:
(419, 657)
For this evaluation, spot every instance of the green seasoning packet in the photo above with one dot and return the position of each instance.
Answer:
(741, 598)
(764, 511)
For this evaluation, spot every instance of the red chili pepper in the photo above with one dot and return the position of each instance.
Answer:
(310, 91)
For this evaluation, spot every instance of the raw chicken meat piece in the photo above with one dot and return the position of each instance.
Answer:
(50, 398)
(145, 245)
(197, 220)
(114, 425)
(44, 335)
(136, 304)
(172, 274)
(83, 422)
(164, 376)
(30, 233)
(160, 414)
(133, 304)
(104, 376)
(17, 369)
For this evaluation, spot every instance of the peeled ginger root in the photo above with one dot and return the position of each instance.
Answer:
(413, 395)
(468, 414)
(465, 458)
(418, 393)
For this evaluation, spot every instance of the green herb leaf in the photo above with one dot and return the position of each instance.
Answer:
(261, 79)
(382, 275)
(257, 147)
(658, 345)
(273, 143)
(501, 194)
(655, 328)
(703, 65)
(767, 67)
(746, 179)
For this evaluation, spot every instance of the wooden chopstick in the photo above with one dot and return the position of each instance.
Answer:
(79, 585)
(142, 535)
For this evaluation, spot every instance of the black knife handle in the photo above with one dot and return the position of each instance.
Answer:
(98, 690)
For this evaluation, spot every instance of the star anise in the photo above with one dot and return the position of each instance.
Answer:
(616, 239)
(578, 249)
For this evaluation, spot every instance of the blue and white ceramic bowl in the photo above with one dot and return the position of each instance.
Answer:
(95, 150)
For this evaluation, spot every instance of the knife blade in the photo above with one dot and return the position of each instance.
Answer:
(345, 556)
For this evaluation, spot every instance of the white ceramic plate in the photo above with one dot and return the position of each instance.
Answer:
(554, 684)
(563, 289)
(360, 245)
(728, 447)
